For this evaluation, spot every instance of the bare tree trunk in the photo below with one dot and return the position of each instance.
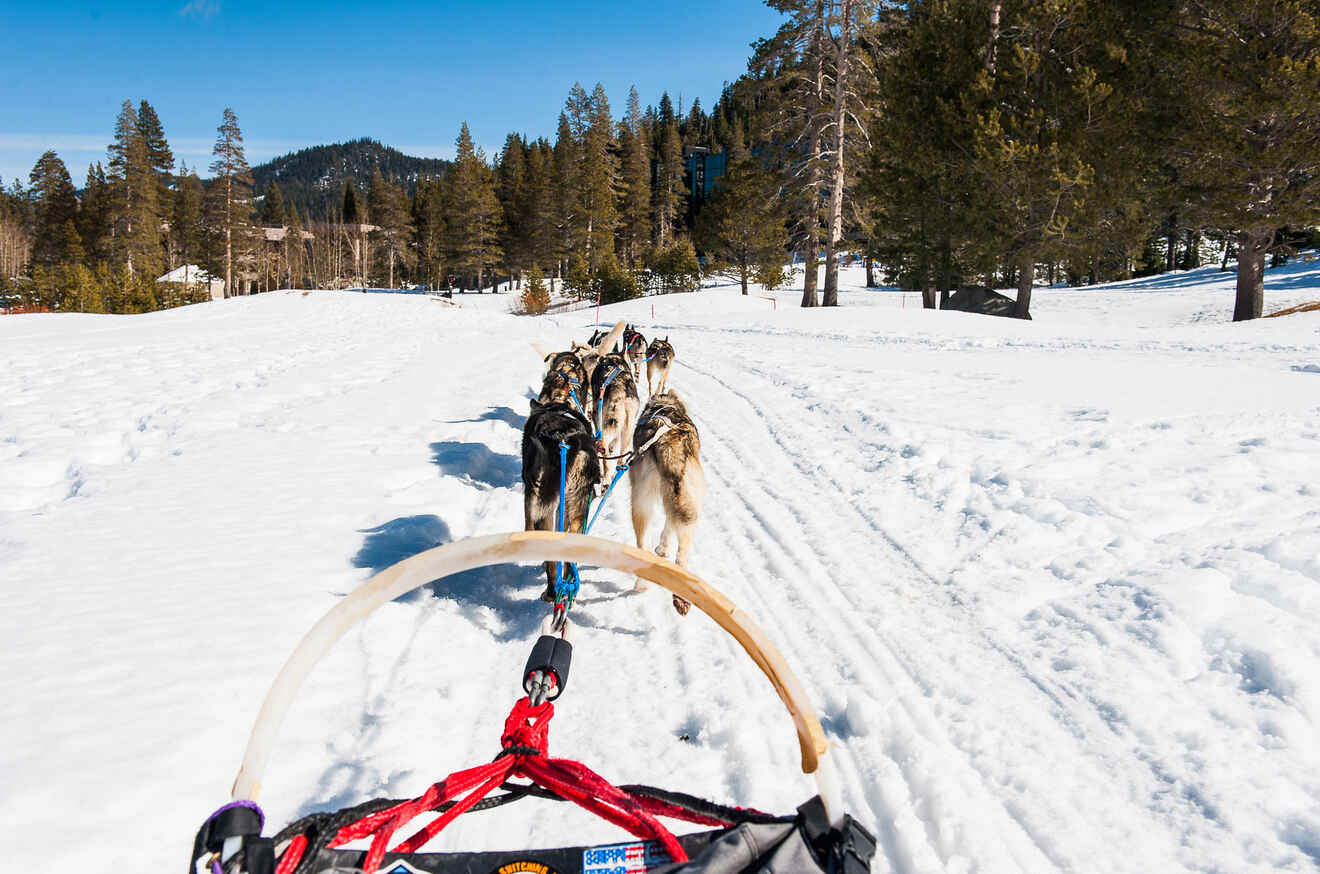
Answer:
(809, 262)
(837, 171)
(1026, 274)
(814, 96)
(1250, 301)
(992, 48)
(928, 292)
(870, 270)
(229, 243)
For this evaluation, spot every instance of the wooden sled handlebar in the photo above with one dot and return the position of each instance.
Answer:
(526, 546)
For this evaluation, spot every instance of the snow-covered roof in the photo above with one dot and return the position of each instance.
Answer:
(185, 273)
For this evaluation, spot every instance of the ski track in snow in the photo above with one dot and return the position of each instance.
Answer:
(1052, 588)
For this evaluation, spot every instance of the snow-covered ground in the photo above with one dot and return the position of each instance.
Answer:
(1054, 585)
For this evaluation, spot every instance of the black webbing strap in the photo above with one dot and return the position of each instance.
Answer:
(844, 850)
(256, 854)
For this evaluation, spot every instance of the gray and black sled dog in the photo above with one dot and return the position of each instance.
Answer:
(549, 425)
(614, 404)
(634, 349)
(666, 471)
(659, 358)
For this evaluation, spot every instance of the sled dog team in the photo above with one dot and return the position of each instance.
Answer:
(589, 402)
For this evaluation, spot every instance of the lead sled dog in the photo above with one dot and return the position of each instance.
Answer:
(659, 359)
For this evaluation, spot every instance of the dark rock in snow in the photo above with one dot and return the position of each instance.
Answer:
(979, 299)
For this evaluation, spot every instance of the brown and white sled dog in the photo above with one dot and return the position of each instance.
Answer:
(548, 425)
(614, 404)
(659, 358)
(565, 381)
(666, 472)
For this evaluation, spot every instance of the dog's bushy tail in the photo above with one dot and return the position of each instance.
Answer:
(695, 475)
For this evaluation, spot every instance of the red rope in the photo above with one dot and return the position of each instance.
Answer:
(526, 734)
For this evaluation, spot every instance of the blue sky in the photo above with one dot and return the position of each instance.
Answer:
(300, 74)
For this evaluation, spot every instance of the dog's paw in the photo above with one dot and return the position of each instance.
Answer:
(681, 606)
(641, 585)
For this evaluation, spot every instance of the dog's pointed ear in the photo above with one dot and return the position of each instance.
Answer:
(536, 405)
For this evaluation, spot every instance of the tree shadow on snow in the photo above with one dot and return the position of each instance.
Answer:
(478, 463)
(507, 415)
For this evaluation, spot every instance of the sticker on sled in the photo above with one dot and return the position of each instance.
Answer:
(624, 858)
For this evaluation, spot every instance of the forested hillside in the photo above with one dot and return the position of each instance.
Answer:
(313, 179)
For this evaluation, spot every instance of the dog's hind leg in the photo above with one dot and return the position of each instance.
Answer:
(666, 538)
(537, 520)
(641, 476)
(641, 519)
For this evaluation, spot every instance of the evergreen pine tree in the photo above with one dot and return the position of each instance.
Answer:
(512, 191)
(535, 298)
(598, 180)
(670, 194)
(350, 211)
(473, 219)
(742, 226)
(159, 158)
(1246, 73)
(272, 207)
(54, 238)
(635, 203)
(135, 223)
(186, 222)
(565, 191)
(428, 219)
(93, 220)
(230, 203)
(388, 208)
(543, 211)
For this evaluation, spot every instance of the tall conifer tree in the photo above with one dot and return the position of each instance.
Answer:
(159, 157)
(474, 215)
(186, 222)
(1247, 145)
(135, 223)
(635, 203)
(388, 208)
(230, 203)
(272, 207)
(94, 215)
(54, 239)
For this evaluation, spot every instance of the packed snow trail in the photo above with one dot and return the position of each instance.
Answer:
(1052, 585)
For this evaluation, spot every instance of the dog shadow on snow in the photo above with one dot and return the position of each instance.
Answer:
(509, 590)
(507, 415)
(478, 463)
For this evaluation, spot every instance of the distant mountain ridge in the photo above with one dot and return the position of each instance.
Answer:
(312, 179)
